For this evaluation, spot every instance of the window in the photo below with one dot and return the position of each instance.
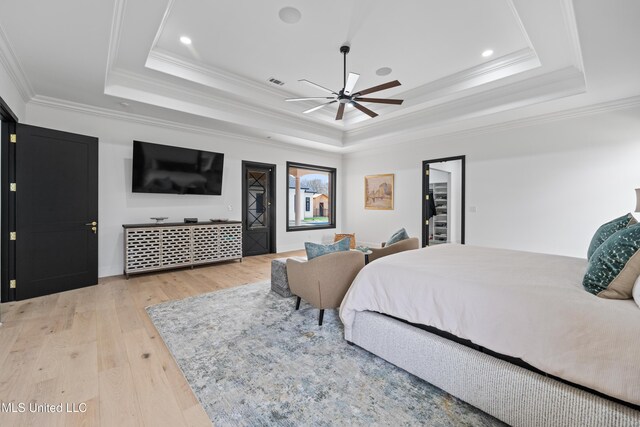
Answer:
(311, 201)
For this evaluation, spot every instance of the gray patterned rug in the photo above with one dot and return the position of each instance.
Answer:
(251, 359)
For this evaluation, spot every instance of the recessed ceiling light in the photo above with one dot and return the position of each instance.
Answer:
(289, 15)
(384, 71)
(185, 40)
(487, 53)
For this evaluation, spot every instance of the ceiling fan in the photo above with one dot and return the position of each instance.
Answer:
(346, 95)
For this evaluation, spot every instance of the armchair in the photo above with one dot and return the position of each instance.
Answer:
(402, 245)
(323, 281)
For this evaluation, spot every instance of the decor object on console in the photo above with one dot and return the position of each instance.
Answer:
(378, 192)
(159, 219)
(323, 281)
(401, 246)
(150, 247)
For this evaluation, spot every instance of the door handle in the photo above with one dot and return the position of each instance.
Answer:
(94, 226)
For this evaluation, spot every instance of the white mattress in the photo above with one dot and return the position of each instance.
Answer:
(525, 305)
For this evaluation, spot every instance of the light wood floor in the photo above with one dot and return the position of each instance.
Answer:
(97, 345)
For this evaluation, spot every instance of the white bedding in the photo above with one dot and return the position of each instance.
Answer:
(520, 304)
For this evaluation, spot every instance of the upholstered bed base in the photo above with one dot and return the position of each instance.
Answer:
(510, 393)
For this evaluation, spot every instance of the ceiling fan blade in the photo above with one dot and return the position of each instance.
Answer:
(311, 110)
(318, 86)
(364, 109)
(351, 83)
(380, 100)
(340, 112)
(383, 86)
(309, 99)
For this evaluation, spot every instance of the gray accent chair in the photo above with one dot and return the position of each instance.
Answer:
(401, 246)
(324, 281)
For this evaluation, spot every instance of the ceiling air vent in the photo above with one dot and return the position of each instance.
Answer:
(276, 81)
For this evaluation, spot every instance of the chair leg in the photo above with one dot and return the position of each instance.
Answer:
(298, 303)
(321, 316)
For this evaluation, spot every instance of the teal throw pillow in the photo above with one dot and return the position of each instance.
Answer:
(397, 236)
(607, 229)
(315, 250)
(615, 265)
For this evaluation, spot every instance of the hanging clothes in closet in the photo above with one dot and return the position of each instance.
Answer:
(432, 205)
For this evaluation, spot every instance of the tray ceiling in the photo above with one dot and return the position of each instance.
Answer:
(128, 56)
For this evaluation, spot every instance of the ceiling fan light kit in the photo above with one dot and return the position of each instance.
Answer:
(346, 96)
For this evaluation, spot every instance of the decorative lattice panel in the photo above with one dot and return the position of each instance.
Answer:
(205, 244)
(142, 249)
(229, 241)
(157, 248)
(176, 246)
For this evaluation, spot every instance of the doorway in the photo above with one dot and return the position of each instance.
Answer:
(8, 122)
(443, 197)
(56, 211)
(258, 208)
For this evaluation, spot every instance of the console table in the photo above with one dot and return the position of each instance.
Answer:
(149, 247)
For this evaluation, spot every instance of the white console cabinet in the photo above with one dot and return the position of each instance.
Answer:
(149, 247)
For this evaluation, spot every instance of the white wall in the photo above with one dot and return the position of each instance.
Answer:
(118, 205)
(544, 187)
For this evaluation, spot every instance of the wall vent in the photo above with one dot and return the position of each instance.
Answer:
(276, 81)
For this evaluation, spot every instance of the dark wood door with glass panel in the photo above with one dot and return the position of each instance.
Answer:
(258, 208)
(56, 211)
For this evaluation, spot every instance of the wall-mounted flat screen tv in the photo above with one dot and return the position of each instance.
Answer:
(165, 169)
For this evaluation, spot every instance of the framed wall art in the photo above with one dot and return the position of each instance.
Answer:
(378, 192)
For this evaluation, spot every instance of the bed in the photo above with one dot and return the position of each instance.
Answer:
(581, 353)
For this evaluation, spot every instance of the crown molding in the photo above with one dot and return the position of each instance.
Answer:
(508, 65)
(208, 75)
(150, 90)
(521, 60)
(12, 64)
(554, 85)
(115, 35)
(599, 108)
(566, 114)
(76, 107)
(569, 17)
(161, 60)
(216, 78)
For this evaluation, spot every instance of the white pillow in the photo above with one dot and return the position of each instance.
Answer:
(636, 291)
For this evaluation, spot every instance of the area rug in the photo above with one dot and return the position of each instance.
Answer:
(251, 359)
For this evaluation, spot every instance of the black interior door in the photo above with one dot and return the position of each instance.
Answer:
(56, 211)
(258, 208)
